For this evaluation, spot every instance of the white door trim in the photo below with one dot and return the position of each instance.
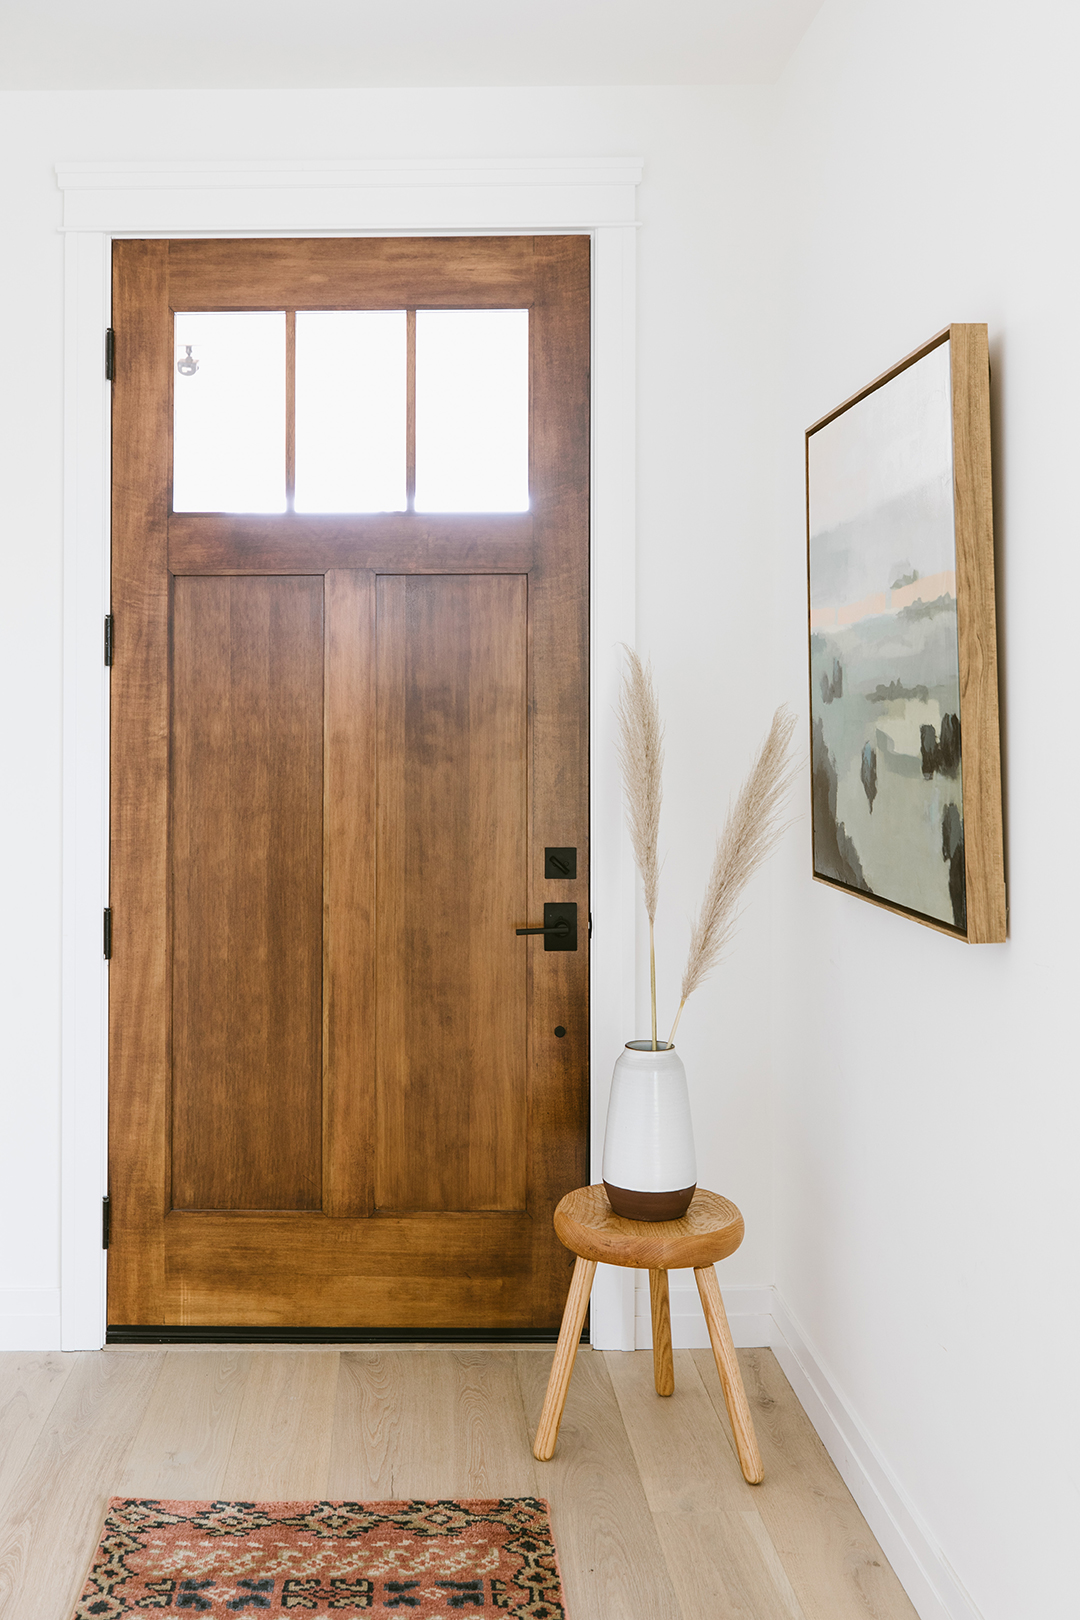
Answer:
(411, 197)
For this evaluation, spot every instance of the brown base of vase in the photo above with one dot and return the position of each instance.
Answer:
(650, 1206)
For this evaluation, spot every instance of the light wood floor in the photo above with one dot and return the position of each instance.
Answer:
(652, 1518)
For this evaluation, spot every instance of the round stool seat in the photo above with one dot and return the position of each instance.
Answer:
(711, 1229)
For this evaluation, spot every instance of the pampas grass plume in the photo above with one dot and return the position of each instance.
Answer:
(641, 755)
(751, 833)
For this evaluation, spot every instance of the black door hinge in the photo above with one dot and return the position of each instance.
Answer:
(110, 354)
(105, 1222)
(106, 933)
(109, 629)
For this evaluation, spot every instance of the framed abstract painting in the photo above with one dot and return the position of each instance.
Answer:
(906, 775)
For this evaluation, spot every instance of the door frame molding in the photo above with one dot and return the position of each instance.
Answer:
(411, 197)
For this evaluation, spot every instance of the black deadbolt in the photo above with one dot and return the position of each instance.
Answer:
(560, 863)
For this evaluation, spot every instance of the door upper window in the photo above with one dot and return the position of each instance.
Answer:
(351, 411)
(229, 412)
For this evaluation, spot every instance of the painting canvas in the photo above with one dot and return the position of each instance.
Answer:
(893, 812)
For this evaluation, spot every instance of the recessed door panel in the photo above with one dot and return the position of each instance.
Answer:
(247, 860)
(451, 863)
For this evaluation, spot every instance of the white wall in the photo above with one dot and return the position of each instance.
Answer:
(701, 210)
(708, 286)
(927, 1092)
(31, 449)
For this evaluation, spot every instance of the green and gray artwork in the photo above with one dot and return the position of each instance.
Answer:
(884, 653)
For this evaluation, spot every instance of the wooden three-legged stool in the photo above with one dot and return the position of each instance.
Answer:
(711, 1229)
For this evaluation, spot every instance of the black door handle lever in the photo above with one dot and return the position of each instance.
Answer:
(559, 927)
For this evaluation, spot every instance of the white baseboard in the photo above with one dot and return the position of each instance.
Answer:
(758, 1316)
(749, 1313)
(906, 1540)
(29, 1318)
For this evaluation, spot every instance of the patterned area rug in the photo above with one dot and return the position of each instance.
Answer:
(344, 1560)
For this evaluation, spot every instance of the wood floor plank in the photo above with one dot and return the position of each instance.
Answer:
(281, 1447)
(834, 1563)
(183, 1444)
(53, 1516)
(679, 1442)
(717, 1569)
(368, 1419)
(609, 1551)
(417, 1423)
(704, 1509)
(30, 1383)
(773, 1563)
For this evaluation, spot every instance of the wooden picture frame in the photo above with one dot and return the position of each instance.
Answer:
(903, 642)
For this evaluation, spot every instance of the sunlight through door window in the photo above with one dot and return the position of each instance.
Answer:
(229, 411)
(472, 410)
(350, 410)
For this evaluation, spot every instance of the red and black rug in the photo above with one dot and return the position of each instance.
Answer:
(342, 1560)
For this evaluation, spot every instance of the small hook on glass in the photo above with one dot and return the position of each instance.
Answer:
(187, 367)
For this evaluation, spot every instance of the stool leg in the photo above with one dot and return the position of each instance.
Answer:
(577, 1303)
(742, 1424)
(662, 1362)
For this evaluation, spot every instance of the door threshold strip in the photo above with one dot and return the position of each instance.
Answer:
(141, 1333)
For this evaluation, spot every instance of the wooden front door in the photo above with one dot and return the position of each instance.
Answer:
(344, 1093)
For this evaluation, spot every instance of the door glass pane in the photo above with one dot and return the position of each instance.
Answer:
(229, 412)
(472, 410)
(350, 410)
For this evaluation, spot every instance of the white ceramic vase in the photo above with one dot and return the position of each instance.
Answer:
(650, 1168)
